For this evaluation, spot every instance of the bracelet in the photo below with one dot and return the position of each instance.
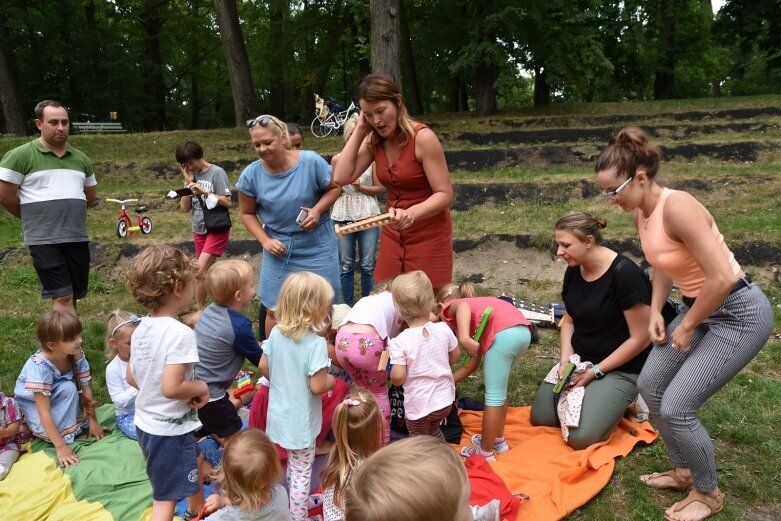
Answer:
(598, 374)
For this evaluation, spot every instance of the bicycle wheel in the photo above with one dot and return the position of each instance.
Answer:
(122, 228)
(322, 128)
(146, 225)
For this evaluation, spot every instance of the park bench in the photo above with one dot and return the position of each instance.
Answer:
(90, 127)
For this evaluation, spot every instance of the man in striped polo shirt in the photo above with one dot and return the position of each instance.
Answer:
(49, 184)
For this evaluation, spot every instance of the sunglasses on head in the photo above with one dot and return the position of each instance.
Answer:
(263, 121)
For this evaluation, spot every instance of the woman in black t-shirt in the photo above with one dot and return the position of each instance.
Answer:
(607, 298)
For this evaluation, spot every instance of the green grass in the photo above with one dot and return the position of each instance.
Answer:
(744, 417)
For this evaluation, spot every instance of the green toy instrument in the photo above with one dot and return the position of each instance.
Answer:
(478, 332)
(569, 369)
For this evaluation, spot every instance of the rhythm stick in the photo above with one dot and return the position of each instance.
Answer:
(365, 224)
(384, 359)
(478, 331)
(569, 369)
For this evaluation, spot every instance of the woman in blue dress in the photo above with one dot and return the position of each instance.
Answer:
(283, 202)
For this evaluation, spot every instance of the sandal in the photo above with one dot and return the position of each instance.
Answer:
(715, 504)
(682, 485)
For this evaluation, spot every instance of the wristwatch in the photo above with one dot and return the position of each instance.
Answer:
(597, 371)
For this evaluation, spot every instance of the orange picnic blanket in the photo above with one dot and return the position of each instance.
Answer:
(557, 478)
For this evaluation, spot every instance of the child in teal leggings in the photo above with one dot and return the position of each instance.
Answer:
(507, 334)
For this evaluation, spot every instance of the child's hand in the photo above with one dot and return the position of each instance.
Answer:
(188, 176)
(474, 362)
(215, 502)
(66, 457)
(96, 429)
(10, 430)
(202, 398)
(470, 345)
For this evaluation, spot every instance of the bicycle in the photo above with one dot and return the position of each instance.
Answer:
(330, 123)
(125, 225)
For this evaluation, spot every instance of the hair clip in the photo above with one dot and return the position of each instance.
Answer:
(132, 320)
(348, 402)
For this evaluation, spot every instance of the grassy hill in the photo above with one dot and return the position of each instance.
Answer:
(515, 174)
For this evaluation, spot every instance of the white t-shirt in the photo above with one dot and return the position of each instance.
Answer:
(425, 351)
(377, 311)
(122, 393)
(157, 342)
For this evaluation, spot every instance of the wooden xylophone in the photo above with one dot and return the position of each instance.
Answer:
(365, 224)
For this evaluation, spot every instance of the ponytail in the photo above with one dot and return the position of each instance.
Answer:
(628, 151)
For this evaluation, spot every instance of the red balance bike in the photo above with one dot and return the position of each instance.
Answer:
(125, 225)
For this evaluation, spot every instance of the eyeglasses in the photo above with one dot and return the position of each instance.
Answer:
(615, 193)
(263, 121)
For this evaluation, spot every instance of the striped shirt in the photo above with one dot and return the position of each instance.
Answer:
(53, 205)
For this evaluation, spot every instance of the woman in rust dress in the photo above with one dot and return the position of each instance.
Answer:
(410, 163)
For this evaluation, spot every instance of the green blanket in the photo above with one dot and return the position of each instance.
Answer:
(109, 481)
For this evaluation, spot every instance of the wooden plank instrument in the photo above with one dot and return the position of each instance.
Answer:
(365, 224)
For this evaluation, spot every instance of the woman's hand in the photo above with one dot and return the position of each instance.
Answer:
(402, 219)
(312, 219)
(562, 367)
(656, 328)
(582, 379)
(66, 456)
(681, 338)
(363, 128)
(274, 247)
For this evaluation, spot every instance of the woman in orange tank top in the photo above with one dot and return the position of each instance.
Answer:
(410, 163)
(725, 321)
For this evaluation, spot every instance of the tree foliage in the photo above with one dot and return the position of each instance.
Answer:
(162, 64)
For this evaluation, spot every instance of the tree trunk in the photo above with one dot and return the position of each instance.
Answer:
(9, 96)
(486, 70)
(413, 98)
(195, 103)
(152, 21)
(453, 104)
(485, 91)
(245, 105)
(279, 60)
(716, 87)
(385, 38)
(664, 82)
(541, 88)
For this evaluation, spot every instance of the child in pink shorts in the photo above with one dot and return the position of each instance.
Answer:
(360, 342)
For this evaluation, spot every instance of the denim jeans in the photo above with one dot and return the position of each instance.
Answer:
(366, 240)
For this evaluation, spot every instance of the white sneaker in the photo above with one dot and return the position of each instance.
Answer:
(488, 512)
(468, 452)
(500, 447)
